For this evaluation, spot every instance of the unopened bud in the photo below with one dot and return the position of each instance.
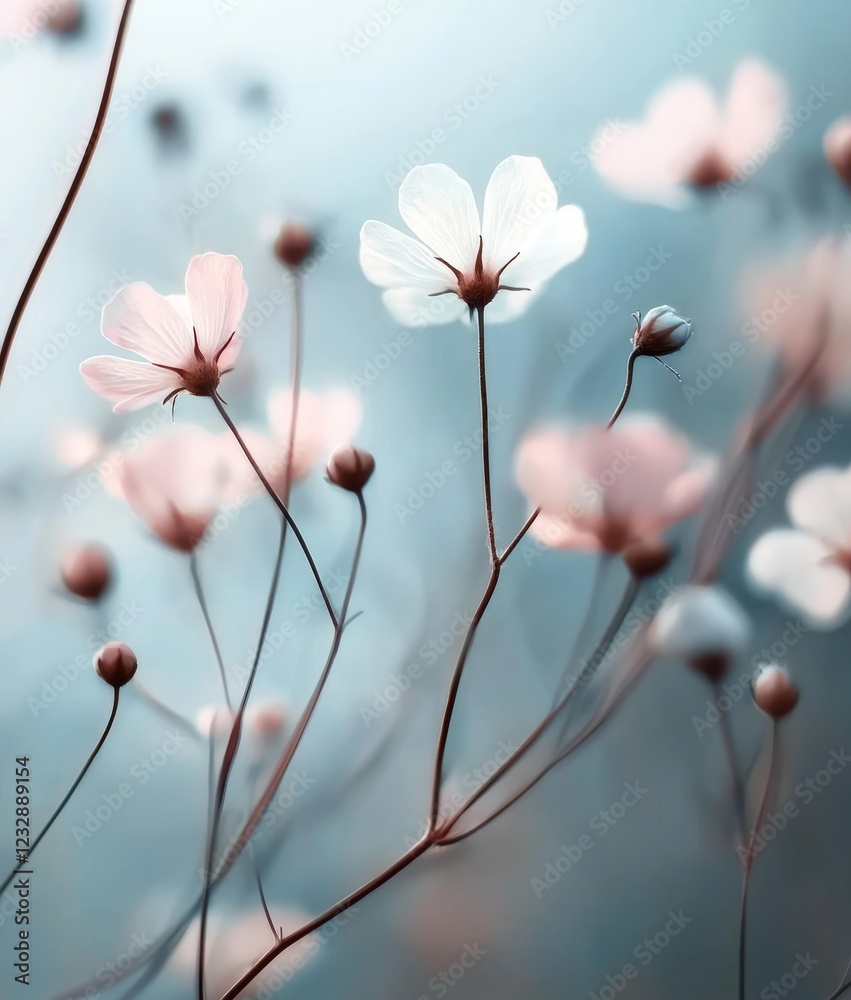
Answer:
(67, 19)
(645, 559)
(293, 245)
(85, 571)
(267, 719)
(116, 663)
(350, 468)
(774, 692)
(710, 170)
(661, 332)
(837, 148)
(180, 531)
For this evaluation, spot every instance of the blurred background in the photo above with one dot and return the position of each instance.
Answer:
(323, 107)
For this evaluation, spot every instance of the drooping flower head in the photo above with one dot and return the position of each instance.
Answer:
(459, 263)
(688, 139)
(610, 489)
(809, 566)
(188, 341)
(176, 482)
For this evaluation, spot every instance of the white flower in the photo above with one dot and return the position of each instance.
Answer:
(809, 566)
(698, 621)
(459, 264)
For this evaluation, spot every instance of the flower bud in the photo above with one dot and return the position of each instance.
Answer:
(710, 170)
(180, 531)
(85, 571)
(703, 625)
(645, 559)
(837, 148)
(350, 468)
(293, 245)
(661, 332)
(67, 18)
(267, 719)
(774, 692)
(116, 663)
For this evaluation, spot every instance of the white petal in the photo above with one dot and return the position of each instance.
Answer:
(439, 207)
(754, 111)
(142, 320)
(558, 244)
(820, 502)
(795, 565)
(129, 384)
(519, 202)
(217, 296)
(697, 620)
(415, 308)
(393, 260)
(509, 305)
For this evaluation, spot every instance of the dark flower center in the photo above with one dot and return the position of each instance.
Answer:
(479, 288)
(201, 376)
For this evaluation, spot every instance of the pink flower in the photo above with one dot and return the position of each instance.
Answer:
(687, 138)
(189, 341)
(176, 482)
(607, 490)
(837, 148)
(809, 566)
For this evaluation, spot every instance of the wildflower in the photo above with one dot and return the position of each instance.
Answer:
(774, 692)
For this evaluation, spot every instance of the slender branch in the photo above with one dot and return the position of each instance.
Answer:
(630, 365)
(72, 789)
(279, 504)
(521, 534)
(486, 465)
(165, 710)
(205, 611)
(73, 191)
(735, 775)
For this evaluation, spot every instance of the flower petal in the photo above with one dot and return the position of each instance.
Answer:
(561, 241)
(393, 260)
(755, 108)
(142, 320)
(439, 207)
(795, 565)
(129, 384)
(520, 201)
(820, 502)
(413, 307)
(217, 296)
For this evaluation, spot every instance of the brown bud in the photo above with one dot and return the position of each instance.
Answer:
(645, 559)
(67, 19)
(662, 331)
(837, 148)
(116, 663)
(85, 571)
(713, 666)
(293, 245)
(774, 692)
(350, 468)
(180, 531)
(710, 171)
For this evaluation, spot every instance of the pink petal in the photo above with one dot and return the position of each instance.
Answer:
(217, 297)
(129, 384)
(755, 108)
(141, 320)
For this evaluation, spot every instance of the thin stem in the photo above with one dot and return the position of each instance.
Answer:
(73, 191)
(202, 602)
(71, 790)
(630, 365)
(279, 504)
(486, 469)
(763, 805)
(521, 534)
(163, 709)
(735, 776)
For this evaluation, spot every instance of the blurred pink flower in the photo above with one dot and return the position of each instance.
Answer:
(176, 482)
(23, 17)
(688, 138)
(323, 423)
(189, 341)
(607, 490)
(809, 566)
(522, 241)
(837, 148)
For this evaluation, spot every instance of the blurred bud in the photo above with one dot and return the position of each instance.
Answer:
(710, 171)
(293, 245)
(116, 663)
(180, 531)
(645, 559)
(774, 692)
(85, 571)
(703, 625)
(169, 125)
(214, 720)
(837, 148)
(267, 719)
(67, 18)
(661, 332)
(350, 468)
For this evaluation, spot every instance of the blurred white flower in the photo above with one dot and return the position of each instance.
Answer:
(459, 264)
(688, 139)
(189, 341)
(809, 566)
(700, 621)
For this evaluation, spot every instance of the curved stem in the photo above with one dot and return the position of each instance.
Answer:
(735, 777)
(202, 601)
(630, 365)
(521, 534)
(279, 504)
(486, 465)
(73, 191)
(163, 709)
(73, 787)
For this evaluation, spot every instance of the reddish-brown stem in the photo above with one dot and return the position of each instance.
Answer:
(73, 191)
(205, 611)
